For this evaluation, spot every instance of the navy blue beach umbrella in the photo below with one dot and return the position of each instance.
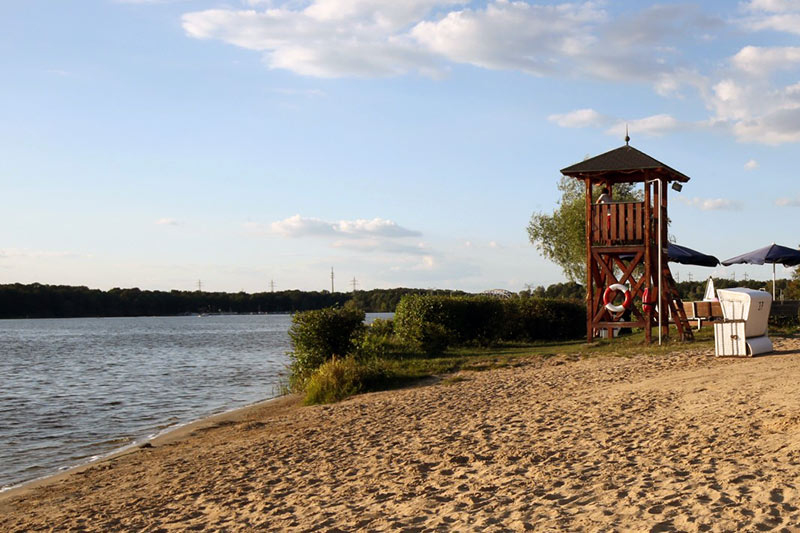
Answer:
(774, 253)
(686, 256)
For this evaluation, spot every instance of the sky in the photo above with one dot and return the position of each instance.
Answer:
(252, 144)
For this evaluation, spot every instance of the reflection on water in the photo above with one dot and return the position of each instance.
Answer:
(73, 389)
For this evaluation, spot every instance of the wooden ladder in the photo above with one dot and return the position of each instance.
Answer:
(676, 307)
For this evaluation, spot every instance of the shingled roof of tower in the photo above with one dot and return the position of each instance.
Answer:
(624, 160)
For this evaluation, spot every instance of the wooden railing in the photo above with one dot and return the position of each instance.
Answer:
(618, 223)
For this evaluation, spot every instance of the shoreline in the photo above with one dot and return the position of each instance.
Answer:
(681, 441)
(166, 436)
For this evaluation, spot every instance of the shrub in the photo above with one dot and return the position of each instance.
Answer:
(319, 335)
(340, 378)
(431, 323)
(457, 319)
(434, 338)
(539, 319)
(382, 326)
(378, 340)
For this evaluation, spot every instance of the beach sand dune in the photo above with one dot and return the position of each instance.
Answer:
(682, 442)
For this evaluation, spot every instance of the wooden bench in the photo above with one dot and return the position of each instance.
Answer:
(699, 312)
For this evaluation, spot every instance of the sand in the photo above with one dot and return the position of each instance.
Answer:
(682, 442)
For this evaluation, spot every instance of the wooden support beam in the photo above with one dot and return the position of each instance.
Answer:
(648, 332)
(589, 290)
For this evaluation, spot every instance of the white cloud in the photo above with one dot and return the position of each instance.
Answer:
(512, 35)
(654, 125)
(776, 15)
(570, 40)
(777, 127)
(391, 15)
(711, 204)
(580, 118)
(729, 100)
(325, 38)
(376, 226)
(576, 40)
(755, 108)
(334, 38)
(774, 6)
(299, 226)
(788, 202)
(167, 222)
(752, 164)
(766, 112)
(762, 61)
(149, 1)
(756, 111)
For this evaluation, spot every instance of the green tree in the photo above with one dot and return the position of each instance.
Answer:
(793, 286)
(561, 236)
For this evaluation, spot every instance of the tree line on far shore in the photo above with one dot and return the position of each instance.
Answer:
(62, 301)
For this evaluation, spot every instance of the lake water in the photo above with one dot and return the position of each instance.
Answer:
(72, 390)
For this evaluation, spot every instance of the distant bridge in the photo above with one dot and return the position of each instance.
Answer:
(498, 293)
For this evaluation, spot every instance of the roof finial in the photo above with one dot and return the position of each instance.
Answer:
(627, 137)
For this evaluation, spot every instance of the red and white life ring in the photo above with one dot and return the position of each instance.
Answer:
(648, 304)
(608, 298)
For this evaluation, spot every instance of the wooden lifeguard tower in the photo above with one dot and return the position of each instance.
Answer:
(622, 245)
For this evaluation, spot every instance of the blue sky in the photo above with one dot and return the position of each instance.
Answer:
(156, 143)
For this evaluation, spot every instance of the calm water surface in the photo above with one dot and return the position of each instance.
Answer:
(75, 389)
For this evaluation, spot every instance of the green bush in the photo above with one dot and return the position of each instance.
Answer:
(379, 341)
(434, 338)
(320, 335)
(340, 378)
(457, 319)
(432, 323)
(538, 319)
(381, 326)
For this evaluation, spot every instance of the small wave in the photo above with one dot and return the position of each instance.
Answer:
(119, 388)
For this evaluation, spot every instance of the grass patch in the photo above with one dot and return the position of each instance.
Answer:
(342, 377)
(515, 354)
(452, 380)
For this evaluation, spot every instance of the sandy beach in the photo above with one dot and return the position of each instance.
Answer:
(682, 442)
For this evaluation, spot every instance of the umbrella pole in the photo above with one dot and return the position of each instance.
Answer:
(773, 282)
